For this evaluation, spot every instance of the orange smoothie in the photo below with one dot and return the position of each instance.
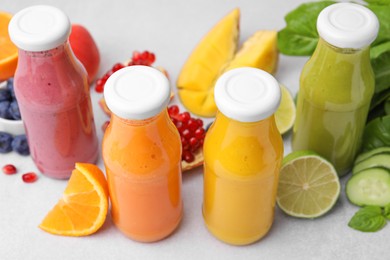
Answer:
(143, 161)
(242, 162)
(142, 154)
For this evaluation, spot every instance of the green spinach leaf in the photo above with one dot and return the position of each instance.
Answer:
(300, 36)
(377, 133)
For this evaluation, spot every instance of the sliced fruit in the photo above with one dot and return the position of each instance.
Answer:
(366, 155)
(377, 160)
(370, 187)
(285, 114)
(308, 185)
(8, 51)
(83, 207)
(259, 51)
(196, 80)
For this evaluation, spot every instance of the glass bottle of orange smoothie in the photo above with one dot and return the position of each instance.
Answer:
(142, 155)
(336, 86)
(243, 150)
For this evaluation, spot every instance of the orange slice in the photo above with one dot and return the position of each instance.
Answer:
(83, 207)
(8, 51)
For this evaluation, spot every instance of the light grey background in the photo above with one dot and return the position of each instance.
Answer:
(170, 29)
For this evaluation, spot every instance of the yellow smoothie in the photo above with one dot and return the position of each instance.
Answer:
(241, 169)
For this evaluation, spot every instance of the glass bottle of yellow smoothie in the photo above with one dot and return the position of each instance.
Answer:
(142, 155)
(336, 86)
(243, 150)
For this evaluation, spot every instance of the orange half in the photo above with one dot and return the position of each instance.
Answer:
(8, 51)
(83, 207)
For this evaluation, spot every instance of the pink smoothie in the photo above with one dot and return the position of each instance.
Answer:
(53, 95)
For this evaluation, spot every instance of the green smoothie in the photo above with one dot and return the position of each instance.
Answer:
(336, 88)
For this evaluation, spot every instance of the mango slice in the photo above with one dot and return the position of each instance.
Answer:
(206, 62)
(215, 54)
(259, 51)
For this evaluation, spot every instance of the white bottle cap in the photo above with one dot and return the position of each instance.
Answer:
(39, 28)
(137, 92)
(247, 94)
(347, 25)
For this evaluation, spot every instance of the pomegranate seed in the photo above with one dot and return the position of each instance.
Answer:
(192, 125)
(29, 177)
(136, 55)
(173, 110)
(117, 67)
(145, 55)
(200, 122)
(184, 144)
(152, 58)
(188, 156)
(185, 116)
(193, 142)
(9, 169)
(179, 126)
(199, 133)
(186, 134)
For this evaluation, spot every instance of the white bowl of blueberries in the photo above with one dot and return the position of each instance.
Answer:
(12, 134)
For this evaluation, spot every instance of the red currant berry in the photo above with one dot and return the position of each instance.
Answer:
(29, 177)
(9, 169)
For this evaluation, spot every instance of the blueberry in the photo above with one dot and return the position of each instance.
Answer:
(4, 110)
(20, 145)
(5, 142)
(10, 87)
(5, 95)
(13, 110)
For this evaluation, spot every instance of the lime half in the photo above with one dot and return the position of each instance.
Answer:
(285, 114)
(308, 185)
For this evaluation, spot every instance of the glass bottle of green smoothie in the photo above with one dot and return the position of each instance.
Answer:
(336, 85)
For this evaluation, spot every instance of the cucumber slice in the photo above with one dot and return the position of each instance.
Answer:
(369, 187)
(378, 160)
(366, 155)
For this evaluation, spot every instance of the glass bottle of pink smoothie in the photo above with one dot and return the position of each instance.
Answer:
(52, 91)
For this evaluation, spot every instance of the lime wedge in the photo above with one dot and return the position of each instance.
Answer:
(285, 114)
(308, 185)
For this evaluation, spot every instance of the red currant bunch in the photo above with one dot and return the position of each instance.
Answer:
(191, 132)
(139, 58)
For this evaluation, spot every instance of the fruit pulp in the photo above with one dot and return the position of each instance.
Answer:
(241, 169)
(53, 95)
(143, 166)
(336, 87)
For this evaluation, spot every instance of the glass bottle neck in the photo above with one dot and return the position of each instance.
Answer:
(323, 48)
(158, 119)
(60, 50)
(247, 127)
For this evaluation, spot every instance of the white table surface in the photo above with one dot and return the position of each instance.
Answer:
(170, 29)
